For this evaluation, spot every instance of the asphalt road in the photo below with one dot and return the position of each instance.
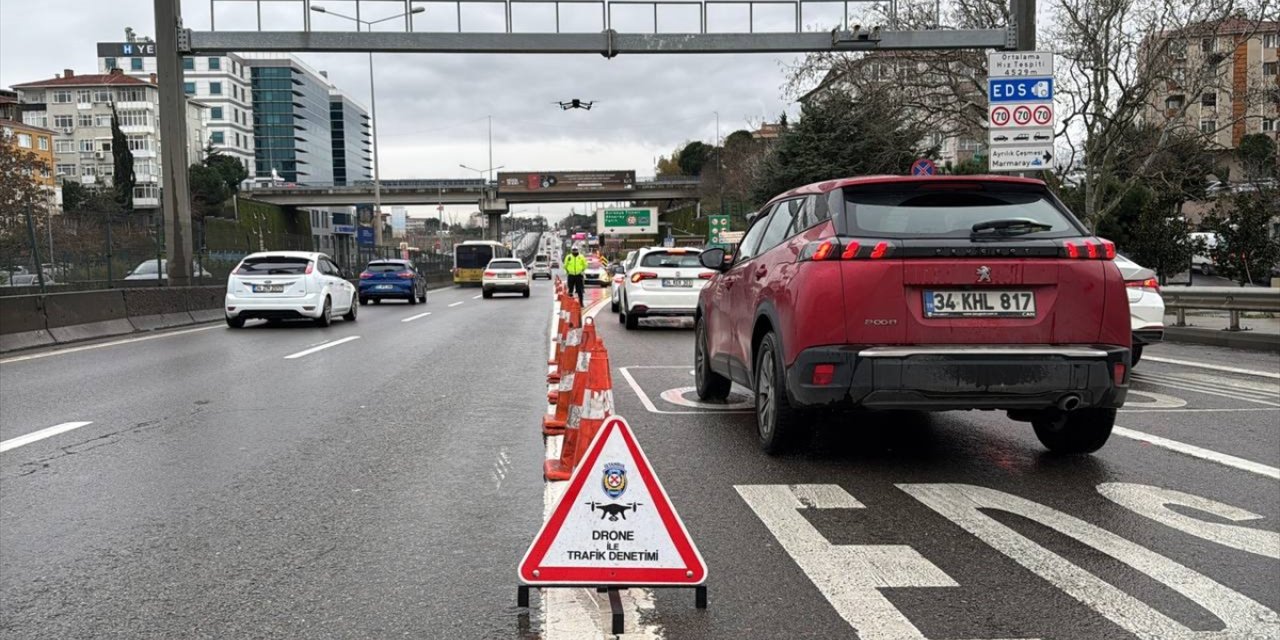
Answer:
(388, 486)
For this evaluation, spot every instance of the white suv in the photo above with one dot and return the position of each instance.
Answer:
(541, 266)
(288, 285)
(662, 282)
(505, 275)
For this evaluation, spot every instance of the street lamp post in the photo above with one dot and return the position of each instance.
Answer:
(373, 109)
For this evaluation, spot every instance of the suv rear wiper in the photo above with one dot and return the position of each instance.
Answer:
(1010, 226)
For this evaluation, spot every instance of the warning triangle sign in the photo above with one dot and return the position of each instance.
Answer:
(614, 525)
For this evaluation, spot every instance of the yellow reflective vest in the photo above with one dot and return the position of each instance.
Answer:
(575, 265)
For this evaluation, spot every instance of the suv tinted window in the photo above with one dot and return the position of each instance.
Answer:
(506, 264)
(815, 212)
(274, 266)
(948, 210)
(779, 224)
(747, 249)
(682, 260)
(386, 267)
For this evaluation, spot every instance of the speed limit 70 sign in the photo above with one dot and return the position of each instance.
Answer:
(1020, 115)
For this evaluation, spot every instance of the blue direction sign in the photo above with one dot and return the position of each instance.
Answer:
(1019, 89)
(923, 167)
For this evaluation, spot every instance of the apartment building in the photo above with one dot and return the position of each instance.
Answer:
(29, 138)
(1221, 78)
(78, 108)
(221, 82)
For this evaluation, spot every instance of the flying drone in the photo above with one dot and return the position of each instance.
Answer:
(576, 104)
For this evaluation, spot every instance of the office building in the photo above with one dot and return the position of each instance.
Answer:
(78, 108)
(351, 140)
(219, 82)
(291, 118)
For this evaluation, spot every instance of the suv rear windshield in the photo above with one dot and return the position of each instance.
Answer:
(386, 267)
(684, 260)
(506, 264)
(273, 266)
(948, 210)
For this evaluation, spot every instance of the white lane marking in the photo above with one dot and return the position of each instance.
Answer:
(456, 303)
(473, 298)
(677, 396)
(849, 576)
(322, 347)
(423, 315)
(652, 408)
(1199, 452)
(88, 347)
(500, 468)
(14, 443)
(969, 507)
(1232, 410)
(1153, 502)
(1213, 367)
(1223, 390)
(1158, 400)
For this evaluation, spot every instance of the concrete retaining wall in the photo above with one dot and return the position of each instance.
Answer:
(158, 308)
(86, 314)
(22, 323)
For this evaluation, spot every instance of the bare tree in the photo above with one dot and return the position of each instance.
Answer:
(1125, 64)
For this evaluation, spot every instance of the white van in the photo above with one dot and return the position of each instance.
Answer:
(542, 266)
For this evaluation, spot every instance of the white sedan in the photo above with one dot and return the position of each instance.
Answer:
(1146, 307)
(664, 282)
(506, 275)
(289, 285)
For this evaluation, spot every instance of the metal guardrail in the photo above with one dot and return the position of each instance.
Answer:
(1230, 299)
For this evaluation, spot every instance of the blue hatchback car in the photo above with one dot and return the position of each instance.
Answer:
(392, 279)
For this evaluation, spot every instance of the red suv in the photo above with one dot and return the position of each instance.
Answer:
(926, 293)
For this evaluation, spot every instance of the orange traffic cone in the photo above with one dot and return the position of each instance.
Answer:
(559, 336)
(593, 404)
(555, 424)
(571, 367)
(569, 323)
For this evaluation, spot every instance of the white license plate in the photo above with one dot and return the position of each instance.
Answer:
(385, 287)
(980, 304)
(679, 284)
(268, 288)
(504, 275)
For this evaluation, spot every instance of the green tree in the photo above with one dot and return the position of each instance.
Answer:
(1160, 241)
(694, 156)
(836, 137)
(74, 196)
(123, 180)
(738, 138)
(208, 190)
(1257, 153)
(232, 170)
(1246, 250)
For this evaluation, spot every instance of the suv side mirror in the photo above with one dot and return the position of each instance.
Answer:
(713, 259)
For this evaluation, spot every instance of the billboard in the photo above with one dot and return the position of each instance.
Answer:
(627, 220)
(126, 49)
(565, 181)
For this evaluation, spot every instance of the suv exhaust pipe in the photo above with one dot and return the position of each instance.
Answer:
(1069, 402)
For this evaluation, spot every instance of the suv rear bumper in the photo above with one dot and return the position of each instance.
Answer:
(949, 377)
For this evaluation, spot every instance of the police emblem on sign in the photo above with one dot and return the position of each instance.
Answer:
(614, 480)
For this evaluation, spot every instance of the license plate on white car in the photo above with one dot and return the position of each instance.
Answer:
(504, 275)
(678, 284)
(268, 288)
(979, 304)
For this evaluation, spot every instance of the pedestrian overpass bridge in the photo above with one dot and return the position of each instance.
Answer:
(465, 191)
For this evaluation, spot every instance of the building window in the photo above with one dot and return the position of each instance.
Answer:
(138, 143)
(1209, 99)
(216, 137)
(1268, 125)
(109, 63)
(189, 88)
(1271, 40)
(1207, 45)
(44, 143)
(36, 119)
(64, 146)
(44, 172)
(215, 113)
(1178, 49)
(61, 97)
(215, 64)
(104, 145)
(86, 146)
(189, 64)
(84, 120)
(131, 95)
(135, 64)
(24, 140)
(88, 170)
(84, 96)
(63, 122)
(102, 96)
(1208, 126)
(146, 192)
(1270, 68)
(215, 88)
(102, 120)
(1174, 102)
(65, 169)
(237, 140)
(134, 118)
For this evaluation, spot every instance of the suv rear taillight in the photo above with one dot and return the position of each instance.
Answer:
(707, 276)
(847, 249)
(643, 275)
(1089, 249)
(490, 274)
(521, 274)
(405, 275)
(365, 275)
(1149, 283)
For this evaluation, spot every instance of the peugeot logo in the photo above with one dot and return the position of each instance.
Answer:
(266, 282)
(984, 273)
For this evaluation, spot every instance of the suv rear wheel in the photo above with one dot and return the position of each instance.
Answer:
(778, 424)
(1075, 432)
(710, 385)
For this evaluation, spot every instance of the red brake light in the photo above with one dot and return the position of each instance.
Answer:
(311, 266)
(824, 250)
(1109, 249)
(881, 249)
(850, 250)
(405, 275)
(707, 276)
(643, 275)
(1092, 249)
(1117, 373)
(823, 374)
(490, 274)
(365, 275)
(1073, 250)
(1149, 283)
(522, 273)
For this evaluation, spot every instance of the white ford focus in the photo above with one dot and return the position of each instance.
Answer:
(289, 285)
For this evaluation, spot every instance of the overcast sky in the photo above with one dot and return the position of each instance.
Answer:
(432, 107)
